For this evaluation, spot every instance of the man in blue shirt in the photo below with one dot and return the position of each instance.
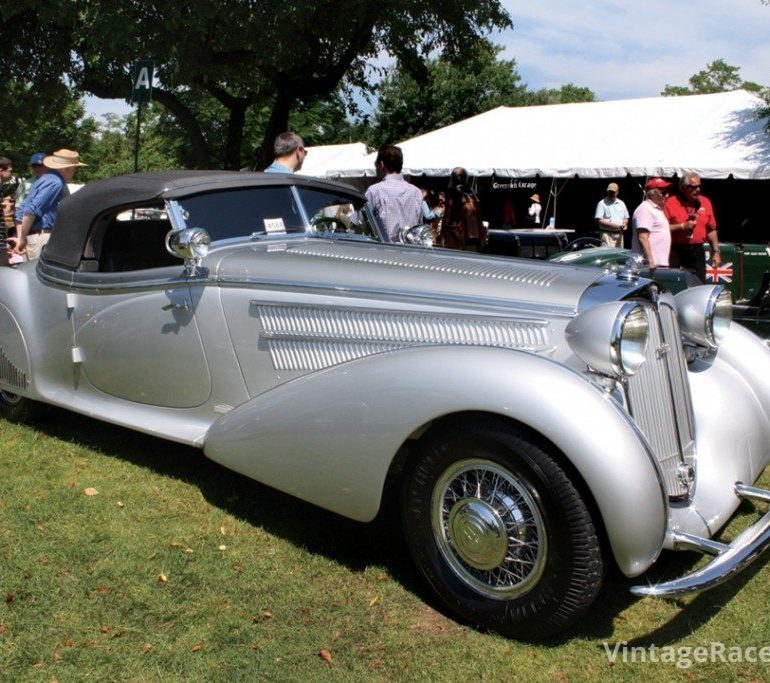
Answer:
(290, 152)
(35, 217)
(36, 164)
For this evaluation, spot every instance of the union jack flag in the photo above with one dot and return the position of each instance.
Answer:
(721, 273)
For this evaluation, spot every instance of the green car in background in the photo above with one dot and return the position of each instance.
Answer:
(745, 271)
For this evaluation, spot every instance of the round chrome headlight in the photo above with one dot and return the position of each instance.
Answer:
(630, 340)
(421, 235)
(611, 338)
(705, 314)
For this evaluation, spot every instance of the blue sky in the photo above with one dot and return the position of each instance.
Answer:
(621, 49)
(626, 50)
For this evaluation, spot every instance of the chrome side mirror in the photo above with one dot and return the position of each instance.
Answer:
(190, 244)
(420, 235)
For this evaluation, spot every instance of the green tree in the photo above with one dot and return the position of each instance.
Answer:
(276, 56)
(563, 95)
(455, 89)
(112, 149)
(42, 119)
(718, 76)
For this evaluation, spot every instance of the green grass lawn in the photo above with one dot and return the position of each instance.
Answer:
(124, 557)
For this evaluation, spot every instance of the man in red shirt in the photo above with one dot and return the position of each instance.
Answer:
(692, 222)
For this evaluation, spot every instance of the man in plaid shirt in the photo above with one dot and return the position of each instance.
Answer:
(395, 202)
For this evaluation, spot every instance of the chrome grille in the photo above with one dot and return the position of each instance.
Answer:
(659, 398)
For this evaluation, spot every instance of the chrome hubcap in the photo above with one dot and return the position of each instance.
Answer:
(478, 533)
(489, 528)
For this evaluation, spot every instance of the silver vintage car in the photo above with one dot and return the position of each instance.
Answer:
(534, 420)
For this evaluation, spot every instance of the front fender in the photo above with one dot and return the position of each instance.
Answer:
(330, 437)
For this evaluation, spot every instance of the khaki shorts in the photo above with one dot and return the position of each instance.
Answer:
(35, 244)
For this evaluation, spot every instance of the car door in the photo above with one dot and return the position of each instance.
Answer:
(135, 332)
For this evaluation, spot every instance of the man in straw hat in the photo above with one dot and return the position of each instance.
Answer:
(35, 217)
(534, 209)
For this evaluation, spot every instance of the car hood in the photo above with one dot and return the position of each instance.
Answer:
(403, 271)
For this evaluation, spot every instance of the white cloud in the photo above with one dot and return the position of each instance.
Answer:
(620, 49)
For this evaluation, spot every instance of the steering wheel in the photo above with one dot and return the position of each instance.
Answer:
(325, 224)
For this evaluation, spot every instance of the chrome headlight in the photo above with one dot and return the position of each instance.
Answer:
(421, 235)
(611, 338)
(705, 314)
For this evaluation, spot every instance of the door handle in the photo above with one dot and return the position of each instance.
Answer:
(178, 307)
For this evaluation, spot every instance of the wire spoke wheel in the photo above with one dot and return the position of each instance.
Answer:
(499, 529)
(489, 528)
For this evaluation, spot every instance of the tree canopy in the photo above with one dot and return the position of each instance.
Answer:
(450, 90)
(35, 120)
(718, 76)
(246, 57)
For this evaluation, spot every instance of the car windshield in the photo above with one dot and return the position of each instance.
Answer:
(262, 211)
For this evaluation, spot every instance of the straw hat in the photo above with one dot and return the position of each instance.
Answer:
(535, 198)
(63, 158)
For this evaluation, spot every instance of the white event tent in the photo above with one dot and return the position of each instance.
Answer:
(717, 135)
(321, 158)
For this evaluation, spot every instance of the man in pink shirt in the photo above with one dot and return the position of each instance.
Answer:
(652, 236)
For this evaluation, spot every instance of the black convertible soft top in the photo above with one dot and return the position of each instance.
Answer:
(77, 213)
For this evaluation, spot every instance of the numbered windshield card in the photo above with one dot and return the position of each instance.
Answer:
(274, 225)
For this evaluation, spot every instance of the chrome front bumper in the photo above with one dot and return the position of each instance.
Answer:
(730, 558)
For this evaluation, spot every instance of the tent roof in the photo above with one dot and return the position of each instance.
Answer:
(320, 158)
(716, 135)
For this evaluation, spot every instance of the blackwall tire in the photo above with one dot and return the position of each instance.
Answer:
(499, 531)
(15, 408)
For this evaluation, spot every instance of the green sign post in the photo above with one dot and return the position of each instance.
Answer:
(141, 92)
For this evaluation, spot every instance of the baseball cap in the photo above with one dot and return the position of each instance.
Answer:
(657, 184)
(37, 159)
(613, 187)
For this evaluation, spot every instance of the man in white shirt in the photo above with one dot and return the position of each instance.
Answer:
(612, 217)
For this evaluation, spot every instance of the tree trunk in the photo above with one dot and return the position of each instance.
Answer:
(234, 142)
(199, 146)
(278, 123)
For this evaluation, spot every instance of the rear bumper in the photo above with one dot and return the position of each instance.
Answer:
(730, 558)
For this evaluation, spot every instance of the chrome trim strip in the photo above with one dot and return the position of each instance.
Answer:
(732, 558)
(400, 294)
(431, 261)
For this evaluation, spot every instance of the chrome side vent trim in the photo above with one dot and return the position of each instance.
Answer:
(660, 403)
(10, 374)
(430, 261)
(308, 355)
(312, 338)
